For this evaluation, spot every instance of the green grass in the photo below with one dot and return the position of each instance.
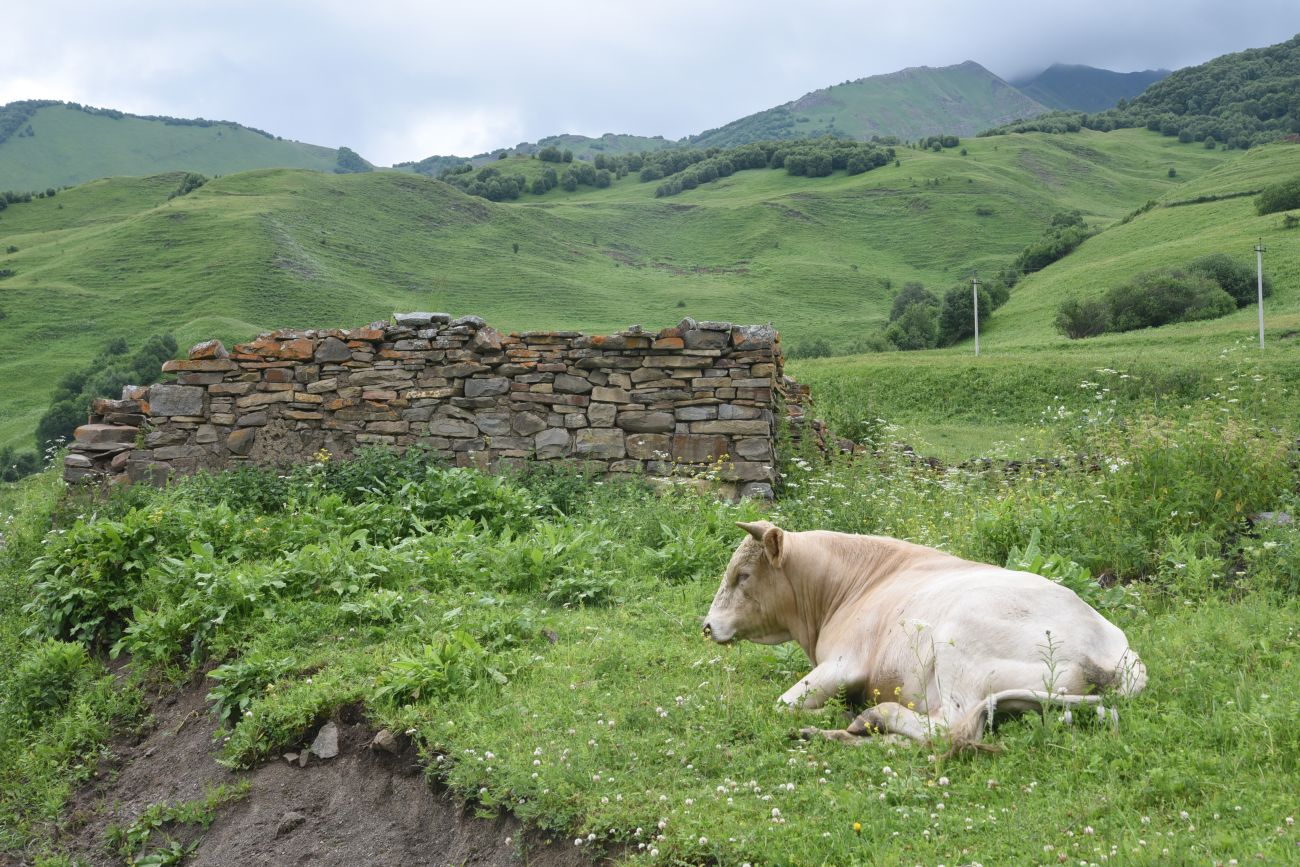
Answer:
(540, 640)
(291, 248)
(70, 146)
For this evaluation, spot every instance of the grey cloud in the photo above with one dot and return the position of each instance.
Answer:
(401, 80)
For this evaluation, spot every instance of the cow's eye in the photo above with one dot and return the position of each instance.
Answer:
(742, 577)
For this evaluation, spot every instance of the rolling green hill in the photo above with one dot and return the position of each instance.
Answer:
(820, 257)
(1072, 87)
(909, 104)
(55, 144)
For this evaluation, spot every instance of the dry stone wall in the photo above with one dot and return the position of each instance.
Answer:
(664, 404)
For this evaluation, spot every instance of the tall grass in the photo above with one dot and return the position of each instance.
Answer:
(538, 638)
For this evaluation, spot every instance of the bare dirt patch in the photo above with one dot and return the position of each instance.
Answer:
(365, 806)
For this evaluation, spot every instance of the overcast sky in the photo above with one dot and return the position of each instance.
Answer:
(404, 80)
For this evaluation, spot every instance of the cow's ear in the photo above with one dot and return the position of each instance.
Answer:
(756, 528)
(774, 545)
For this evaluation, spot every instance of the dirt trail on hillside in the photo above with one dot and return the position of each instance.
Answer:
(364, 807)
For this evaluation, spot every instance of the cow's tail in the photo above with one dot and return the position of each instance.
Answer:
(967, 732)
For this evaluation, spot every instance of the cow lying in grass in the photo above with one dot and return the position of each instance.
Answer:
(935, 644)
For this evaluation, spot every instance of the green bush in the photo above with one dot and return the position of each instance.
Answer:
(1239, 279)
(1077, 319)
(916, 328)
(1162, 297)
(45, 680)
(1283, 196)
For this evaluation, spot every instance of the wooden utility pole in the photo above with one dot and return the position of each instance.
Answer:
(975, 292)
(1259, 284)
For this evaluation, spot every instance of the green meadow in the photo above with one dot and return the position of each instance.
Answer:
(69, 146)
(820, 258)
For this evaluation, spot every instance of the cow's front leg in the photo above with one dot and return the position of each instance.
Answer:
(814, 688)
(890, 717)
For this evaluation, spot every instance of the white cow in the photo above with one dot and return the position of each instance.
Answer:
(932, 642)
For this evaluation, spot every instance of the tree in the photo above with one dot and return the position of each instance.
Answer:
(957, 314)
(1234, 276)
(916, 328)
(1161, 297)
(350, 162)
(1077, 319)
(912, 293)
(550, 154)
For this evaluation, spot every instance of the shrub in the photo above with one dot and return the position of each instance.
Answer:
(912, 293)
(1077, 319)
(957, 316)
(45, 680)
(817, 347)
(1161, 297)
(1066, 231)
(1279, 197)
(916, 328)
(1235, 277)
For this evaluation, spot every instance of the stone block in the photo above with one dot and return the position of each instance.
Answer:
(322, 386)
(749, 337)
(602, 414)
(746, 471)
(240, 441)
(388, 427)
(452, 427)
(610, 394)
(699, 449)
(569, 384)
(208, 349)
(485, 340)
(700, 339)
(527, 423)
(252, 419)
(206, 433)
(737, 427)
(175, 400)
(263, 398)
(235, 388)
(203, 365)
(696, 413)
(754, 448)
(421, 320)
(553, 443)
(732, 412)
(494, 424)
(648, 447)
(638, 421)
(599, 443)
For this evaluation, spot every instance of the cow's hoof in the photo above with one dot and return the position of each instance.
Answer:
(868, 723)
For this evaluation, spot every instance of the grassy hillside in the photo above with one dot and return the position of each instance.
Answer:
(276, 248)
(952, 404)
(909, 104)
(1071, 87)
(67, 145)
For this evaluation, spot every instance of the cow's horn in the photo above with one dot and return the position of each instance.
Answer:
(755, 528)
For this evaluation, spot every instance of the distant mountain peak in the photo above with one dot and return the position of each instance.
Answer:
(1078, 87)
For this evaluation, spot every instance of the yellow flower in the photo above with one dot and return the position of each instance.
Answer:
(857, 827)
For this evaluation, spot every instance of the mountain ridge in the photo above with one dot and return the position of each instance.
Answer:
(1079, 87)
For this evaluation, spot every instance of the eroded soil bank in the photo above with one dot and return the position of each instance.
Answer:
(364, 806)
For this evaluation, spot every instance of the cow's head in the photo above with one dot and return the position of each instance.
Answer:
(755, 598)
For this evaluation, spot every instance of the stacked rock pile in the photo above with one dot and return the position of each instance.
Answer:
(666, 404)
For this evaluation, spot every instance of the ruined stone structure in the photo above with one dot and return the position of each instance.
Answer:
(664, 404)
